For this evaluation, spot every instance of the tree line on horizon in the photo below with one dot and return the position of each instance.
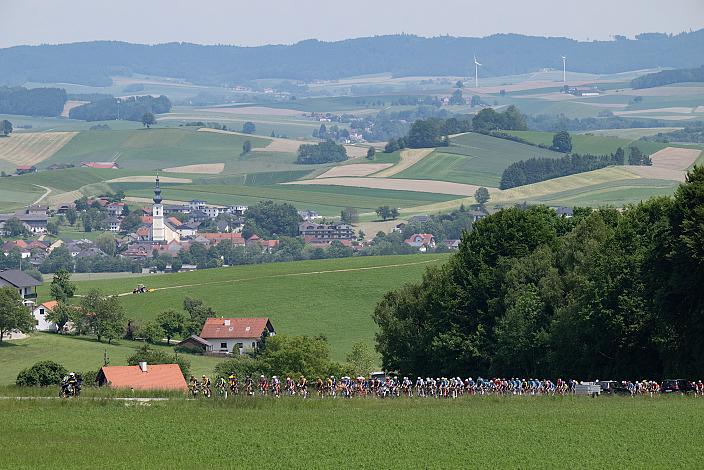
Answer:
(93, 63)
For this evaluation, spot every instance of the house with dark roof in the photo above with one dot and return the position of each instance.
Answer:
(24, 283)
(228, 335)
(143, 377)
(326, 231)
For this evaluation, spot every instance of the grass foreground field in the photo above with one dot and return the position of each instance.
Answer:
(514, 432)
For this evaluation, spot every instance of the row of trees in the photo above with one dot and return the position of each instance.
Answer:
(32, 102)
(431, 132)
(667, 77)
(604, 294)
(323, 152)
(534, 170)
(134, 108)
(693, 134)
(488, 120)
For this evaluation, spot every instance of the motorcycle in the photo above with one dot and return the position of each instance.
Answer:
(69, 390)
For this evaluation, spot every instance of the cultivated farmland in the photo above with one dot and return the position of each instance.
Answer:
(32, 148)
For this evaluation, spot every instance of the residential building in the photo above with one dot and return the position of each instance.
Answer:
(452, 244)
(24, 283)
(112, 224)
(326, 231)
(215, 238)
(267, 246)
(309, 215)
(40, 312)
(115, 209)
(212, 211)
(197, 204)
(33, 219)
(422, 241)
(562, 211)
(235, 335)
(143, 377)
(236, 210)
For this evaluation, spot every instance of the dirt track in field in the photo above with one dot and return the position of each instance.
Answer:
(32, 147)
(408, 158)
(423, 186)
(204, 168)
(149, 179)
(360, 169)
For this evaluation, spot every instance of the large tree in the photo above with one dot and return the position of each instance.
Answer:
(267, 218)
(148, 119)
(562, 142)
(104, 315)
(172, 324)
(62, 288)
(13, 314)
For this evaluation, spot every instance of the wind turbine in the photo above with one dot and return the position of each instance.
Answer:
(564, 69)
(476, 72)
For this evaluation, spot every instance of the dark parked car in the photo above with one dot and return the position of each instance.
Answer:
(676, 386)
(612, 387)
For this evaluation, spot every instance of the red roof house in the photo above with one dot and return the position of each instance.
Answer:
(227, 335)
(143, 377)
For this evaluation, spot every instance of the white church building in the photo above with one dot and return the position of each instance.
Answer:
(162, 231)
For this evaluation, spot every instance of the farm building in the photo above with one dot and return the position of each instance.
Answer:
(102, 165)
(24, 169)
(143, 377)
(225, 335)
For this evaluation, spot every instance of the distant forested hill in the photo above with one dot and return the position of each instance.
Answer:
(93, 63)
(667, 77)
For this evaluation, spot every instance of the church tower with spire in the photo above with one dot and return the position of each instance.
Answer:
(158, 228)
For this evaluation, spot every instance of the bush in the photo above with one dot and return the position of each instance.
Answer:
(241, 366)
(89, 378)
(41, 374)
(152, 356)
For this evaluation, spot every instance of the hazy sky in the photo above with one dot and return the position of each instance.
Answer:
(255, 22)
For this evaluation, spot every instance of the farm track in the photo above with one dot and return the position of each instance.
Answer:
(275, 276)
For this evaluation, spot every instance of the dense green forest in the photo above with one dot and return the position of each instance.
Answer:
(324, 152)
(128, 109)
(32, 102)
(667, 77)
(93, 63)
(604, 294)
(534, 170)
(488, 120)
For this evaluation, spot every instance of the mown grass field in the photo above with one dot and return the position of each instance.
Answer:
(150, 149)
(335, 298)
(328, 200)
(473, 159)
(77, 353)
(526, 432)
(595, 144)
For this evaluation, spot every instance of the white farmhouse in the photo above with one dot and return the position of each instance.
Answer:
(235, 335)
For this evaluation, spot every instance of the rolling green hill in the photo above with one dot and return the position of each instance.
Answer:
(151, 149)
(473, 159)
(591, 143)
(333, 297)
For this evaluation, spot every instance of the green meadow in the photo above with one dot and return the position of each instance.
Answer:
(334, 297)
(510, 432)
(328, 200)
(473, 159)
(150, 149)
